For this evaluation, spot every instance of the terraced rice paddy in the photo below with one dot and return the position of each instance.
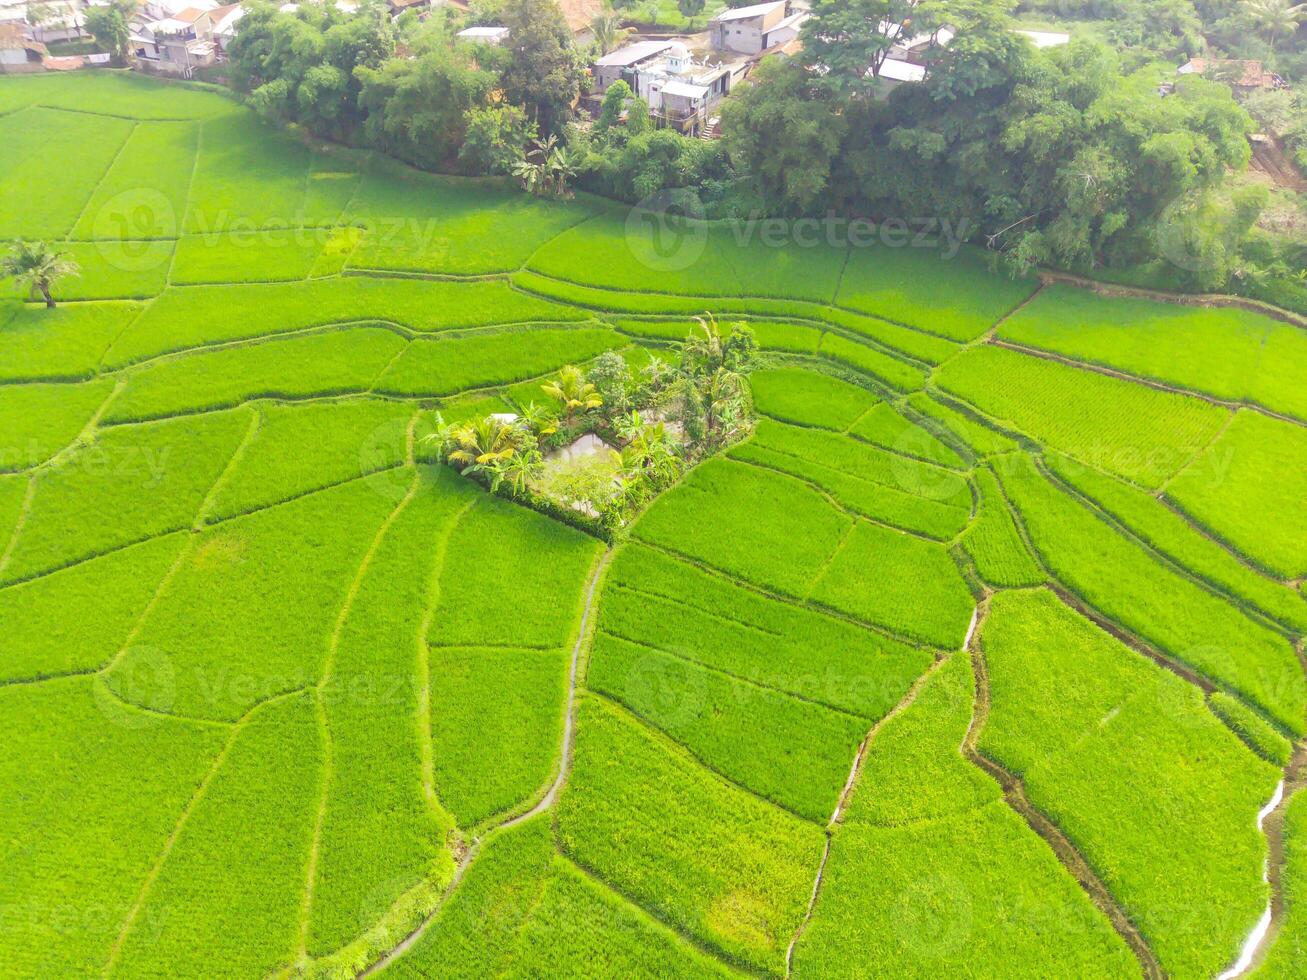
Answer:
(981, 656)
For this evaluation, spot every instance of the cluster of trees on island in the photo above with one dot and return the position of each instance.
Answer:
(648, 426)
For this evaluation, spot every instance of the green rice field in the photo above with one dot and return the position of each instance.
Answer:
(979, 654)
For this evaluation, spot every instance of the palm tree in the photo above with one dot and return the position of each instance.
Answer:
(573, 393)
(609, 32)
(481, 445)
(704, 351)
(38, 266)
(1275, 17)
(649, 450)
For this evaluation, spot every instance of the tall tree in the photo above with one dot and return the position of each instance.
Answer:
(847, 41)
(544, 71)
(38, 267)
(109, 25)
(1275, 19)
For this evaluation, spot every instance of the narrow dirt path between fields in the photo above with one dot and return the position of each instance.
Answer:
(1014, 792)
(847, 792)
(1270, 821)
(584, 632)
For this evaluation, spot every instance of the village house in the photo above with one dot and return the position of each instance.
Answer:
(754, 29)
(46, 21)
(1242, 76)
(181, 40)
(19, 53)
(484, 35)
(679, 90)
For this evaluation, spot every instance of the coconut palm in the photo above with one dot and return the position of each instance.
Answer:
(480, 445)
(1275, 18)
(609, 32)
(573, 393)
(649, 448)
(38, 267)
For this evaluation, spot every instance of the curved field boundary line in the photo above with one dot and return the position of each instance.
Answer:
(847, 792)
(545, 802)
(200, 791)
(1139, 379)
(1179, 299)
(1014, 792)
(328, 666)
(722, 300)
(1207, 585)
(813, 607)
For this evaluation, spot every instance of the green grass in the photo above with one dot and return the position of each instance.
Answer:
(380, 835)
(980, 439)
(297, 449)
(695, 850)
(1256, 732)
(93, 792)
(1288, 951)
(37, 421)
(883, 425)
(125, 94)
(791, 752)
(512, 578)
(1142, 434)
(881, 366)
(892, 579)
(40, 143)
(924, 738)
(220, 626)
(116, 270)
(418, 222)
(143, 194)
(974, 895)
(1255, 469)
(128, 485)
(108, 593)
(474, 933)
(740, 518)
(446, 366)
(635, 257)
(496, 721)
(868, 481)
(63, 344)
(914, 343)
(808, 398)
(669, 604)
(995, 544)
(1230, 353)
(231, 884)
(249, 177)
(331, 363)
(932, 872)
(181, 319)
(1184, 544)
(957, 297)
(254, 256)
(1125, 757)
(581, 927)
(1128, 585)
